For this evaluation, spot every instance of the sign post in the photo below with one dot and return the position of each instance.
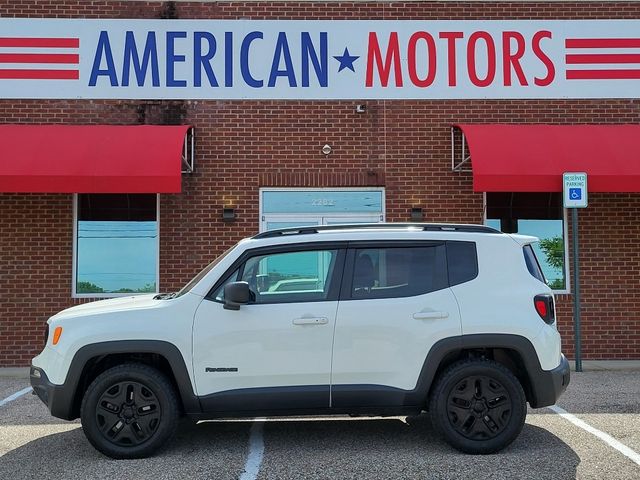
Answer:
(574, 194)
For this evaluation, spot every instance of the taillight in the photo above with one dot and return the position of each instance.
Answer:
(544, 306)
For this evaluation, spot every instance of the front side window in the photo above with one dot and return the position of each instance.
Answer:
(116, 244)
(289, 277)
(540, 215)
(398, 271)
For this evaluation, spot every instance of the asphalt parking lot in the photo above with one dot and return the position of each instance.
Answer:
(35, 445)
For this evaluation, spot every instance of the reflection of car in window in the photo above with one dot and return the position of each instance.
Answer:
(302, 284)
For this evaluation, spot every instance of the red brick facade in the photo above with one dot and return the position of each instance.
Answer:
(243, 145)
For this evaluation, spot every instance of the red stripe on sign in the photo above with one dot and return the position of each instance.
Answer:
(603, 58)
(40, 42)
(40, 74)
(603, 74)
(39, 58)
(602, 43)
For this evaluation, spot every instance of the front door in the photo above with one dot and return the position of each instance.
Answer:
(273, 354)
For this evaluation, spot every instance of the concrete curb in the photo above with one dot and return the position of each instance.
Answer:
(14, 372)
(607, 365)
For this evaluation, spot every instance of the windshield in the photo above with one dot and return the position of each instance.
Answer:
(204, 271)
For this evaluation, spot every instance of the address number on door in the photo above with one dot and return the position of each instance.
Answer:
(323, 202)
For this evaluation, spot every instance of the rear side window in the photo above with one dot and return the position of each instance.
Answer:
(532, 263)
(398, 271)
(462, 262)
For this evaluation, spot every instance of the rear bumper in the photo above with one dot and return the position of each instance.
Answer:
(58, 398)
(548, 385)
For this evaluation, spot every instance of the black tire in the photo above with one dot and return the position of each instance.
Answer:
(129, 411)
(478, 406)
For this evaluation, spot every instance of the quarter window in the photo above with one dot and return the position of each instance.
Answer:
(462, 262)
(116, 244)
(398, 271)
(537, 214)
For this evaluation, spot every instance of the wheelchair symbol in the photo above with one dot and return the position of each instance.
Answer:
(575, 193)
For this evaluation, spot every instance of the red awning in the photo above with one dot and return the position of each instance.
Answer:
(91, 158)
(532, 158)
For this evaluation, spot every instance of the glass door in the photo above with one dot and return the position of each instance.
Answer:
(351, 220)
(275, 222)
(283, 208)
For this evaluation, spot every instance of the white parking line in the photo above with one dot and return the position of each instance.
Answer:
(605, 437)
(10, 398)
(256, 451)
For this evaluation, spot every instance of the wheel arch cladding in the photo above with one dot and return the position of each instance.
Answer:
(90, 360)
(513, 351)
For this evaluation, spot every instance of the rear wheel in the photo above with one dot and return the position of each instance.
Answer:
(129, 411)
(478, 406)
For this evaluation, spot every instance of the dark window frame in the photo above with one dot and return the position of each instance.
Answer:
(77, 211)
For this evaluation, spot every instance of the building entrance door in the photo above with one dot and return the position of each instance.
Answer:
(281, 208)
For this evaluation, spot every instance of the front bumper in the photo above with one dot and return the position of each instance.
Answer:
(59, 398)
(549, 385)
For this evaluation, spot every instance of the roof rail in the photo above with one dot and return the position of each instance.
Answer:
(430, 227)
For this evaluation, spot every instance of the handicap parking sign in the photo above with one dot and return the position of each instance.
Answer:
(575, 193)
(574, 189)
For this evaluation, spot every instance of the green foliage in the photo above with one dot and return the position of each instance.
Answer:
(557, 284)
(553, 249)
(88, 287)
(148, 288)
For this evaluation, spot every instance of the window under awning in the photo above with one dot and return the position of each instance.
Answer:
(94, 158)
(532, 158)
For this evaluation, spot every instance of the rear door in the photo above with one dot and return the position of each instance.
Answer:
(395, 304)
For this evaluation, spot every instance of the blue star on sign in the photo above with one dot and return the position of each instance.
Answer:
(346, 60)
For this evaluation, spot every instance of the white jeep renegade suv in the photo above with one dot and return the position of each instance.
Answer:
(384, 319)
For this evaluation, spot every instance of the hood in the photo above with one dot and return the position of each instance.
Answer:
(109, 306)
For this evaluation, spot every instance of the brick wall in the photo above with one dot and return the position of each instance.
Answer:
(244, 145)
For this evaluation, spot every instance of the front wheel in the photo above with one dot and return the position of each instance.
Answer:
(478, 406)
(129, 411)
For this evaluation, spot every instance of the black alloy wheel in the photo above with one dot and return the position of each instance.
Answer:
(478, 406)
(129, 411)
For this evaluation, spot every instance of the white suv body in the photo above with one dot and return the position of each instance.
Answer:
(398, 319)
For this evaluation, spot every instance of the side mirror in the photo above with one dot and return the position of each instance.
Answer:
(236, 294)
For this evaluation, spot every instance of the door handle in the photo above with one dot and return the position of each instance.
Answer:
(430, 315)
(311, 321)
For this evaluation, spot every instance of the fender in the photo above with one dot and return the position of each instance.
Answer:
(62, 401)
(541, 382)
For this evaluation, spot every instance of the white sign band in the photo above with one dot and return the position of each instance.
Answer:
(241, 59)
